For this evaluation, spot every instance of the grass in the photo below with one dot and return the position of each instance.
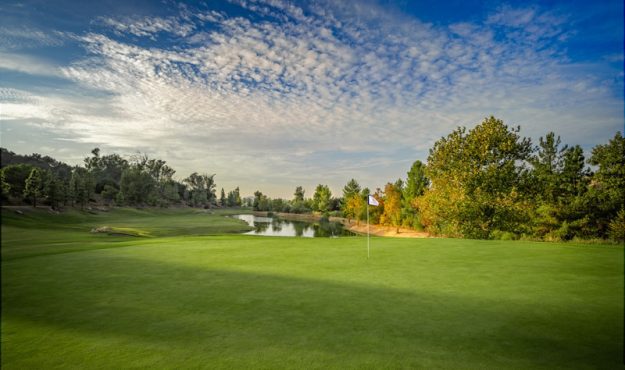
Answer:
(234, 301)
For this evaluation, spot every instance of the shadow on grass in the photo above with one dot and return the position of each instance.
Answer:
(238, 315)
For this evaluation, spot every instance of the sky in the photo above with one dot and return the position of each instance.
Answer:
(273, 94)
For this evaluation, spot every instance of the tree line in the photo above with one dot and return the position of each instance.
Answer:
(486, 183)
(490, 183)
(107, 179)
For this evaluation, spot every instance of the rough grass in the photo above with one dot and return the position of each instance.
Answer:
(233, 301)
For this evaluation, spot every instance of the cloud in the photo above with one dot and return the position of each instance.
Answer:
(27, 38)
(321, 93)
(27, 64)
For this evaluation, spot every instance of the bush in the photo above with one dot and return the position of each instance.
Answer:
(563, 233)
(617, 226)
(502, 235)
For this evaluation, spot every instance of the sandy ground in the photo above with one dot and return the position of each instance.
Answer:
(385, 231)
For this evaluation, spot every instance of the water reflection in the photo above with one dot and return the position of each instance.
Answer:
(274, 226)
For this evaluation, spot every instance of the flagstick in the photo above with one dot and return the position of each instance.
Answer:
(367, 228)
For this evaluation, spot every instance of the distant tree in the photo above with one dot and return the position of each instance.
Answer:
(222, 198)
(53, 189)
(59, 169)
(375, 212)
(606, 194)
(5, 186)
(351, 188)
(137, 186)
(258, 197)
(416, 182)
(415, 186)
(109, 193)
(202, 188)
(392, 206)
(353, 206)
(15, 175)
(547, 166)
(237, 197)
(33, 188)
(231, 199)
(298, 204)
(298, 196)
(321, 199)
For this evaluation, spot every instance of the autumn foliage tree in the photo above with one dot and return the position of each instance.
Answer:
(475, 179)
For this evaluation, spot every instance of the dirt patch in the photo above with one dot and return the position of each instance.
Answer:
(385, 231)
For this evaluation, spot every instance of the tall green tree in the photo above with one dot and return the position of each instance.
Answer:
(258, 198)
(202, 189)
(351, 188)
(475, 181)
(5, 186)
(298, 196)
(350, 204)
(53, 190)
(416, 185)
(321, 199)
(607, 190)
(33, 187)
(547, 166)
(137, 186)
(15, 175)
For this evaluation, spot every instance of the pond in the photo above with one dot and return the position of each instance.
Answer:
(274, 226)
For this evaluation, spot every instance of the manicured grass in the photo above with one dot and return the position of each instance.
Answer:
(232, 301)
(38, 232)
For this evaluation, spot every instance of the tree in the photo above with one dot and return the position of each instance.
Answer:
(222, 198)
(53, 189)
(34, 185)
(137, 186)
(237, 197)
(298, 196)
(606, 195)
(392, 205)
(416, 181)
(547, 166)
(475, 181)
(321, 199)
(15, 176)
(298, 204)
(353, 206)
(350, 191)
(109, 193)
(352, 188)
(258, 197)
(416, 185)
(202, 189)
(5, 186)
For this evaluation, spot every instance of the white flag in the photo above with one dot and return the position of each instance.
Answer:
(373, 201)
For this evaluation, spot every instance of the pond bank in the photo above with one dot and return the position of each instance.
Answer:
(351, 225)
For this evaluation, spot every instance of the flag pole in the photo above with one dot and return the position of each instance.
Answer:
(367, 228)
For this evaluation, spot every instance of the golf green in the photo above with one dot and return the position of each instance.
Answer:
(173, 298)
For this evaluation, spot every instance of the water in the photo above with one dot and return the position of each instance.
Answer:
(274, 226)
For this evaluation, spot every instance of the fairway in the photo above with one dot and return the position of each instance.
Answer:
(185, 295)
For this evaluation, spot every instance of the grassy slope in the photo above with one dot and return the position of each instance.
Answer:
(40, 232)
(257, 302)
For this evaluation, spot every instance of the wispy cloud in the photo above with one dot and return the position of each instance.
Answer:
(26, 38)
(258, 96)
(27, 64)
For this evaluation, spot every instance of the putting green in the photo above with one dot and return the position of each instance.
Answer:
(232, 301)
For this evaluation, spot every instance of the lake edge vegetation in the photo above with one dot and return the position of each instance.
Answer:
(484, 183)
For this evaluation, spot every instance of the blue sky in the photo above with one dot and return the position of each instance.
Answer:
(274, 94)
